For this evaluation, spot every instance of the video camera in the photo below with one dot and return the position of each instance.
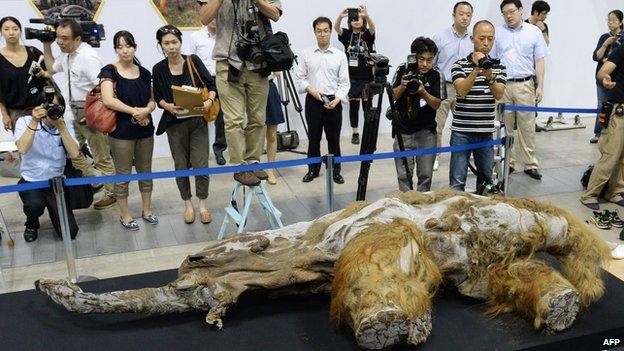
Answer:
(415, 78)
(92, 33)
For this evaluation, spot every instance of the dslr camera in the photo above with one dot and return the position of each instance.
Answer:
(412, 75)
(54, 110)
(248, 42)
(92, 33)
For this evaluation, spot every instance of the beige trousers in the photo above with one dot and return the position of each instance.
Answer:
(102, 160)
(127, 152)
(248, 98)
(521, 124)
(442, 113)
(610, 168)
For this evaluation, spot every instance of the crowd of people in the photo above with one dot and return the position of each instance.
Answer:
(464, 70)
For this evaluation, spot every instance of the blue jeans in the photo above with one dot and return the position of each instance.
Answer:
(484, 159)
(602, 97)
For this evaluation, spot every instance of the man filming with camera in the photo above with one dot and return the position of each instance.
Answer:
(44, 141)
(241, 75)
(81, 65)
(418, 90)
(479, 82)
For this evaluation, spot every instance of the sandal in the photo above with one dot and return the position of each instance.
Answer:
(151, 219)
(132, 225)
(206, 217)
(189, 217)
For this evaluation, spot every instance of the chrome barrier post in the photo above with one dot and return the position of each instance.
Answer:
(61, 204)
(508, 140)
(329, 171)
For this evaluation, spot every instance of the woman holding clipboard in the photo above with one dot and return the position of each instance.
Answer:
(188, 136)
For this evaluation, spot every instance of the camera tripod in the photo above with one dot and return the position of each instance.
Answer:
(286, 81)
(371, 131)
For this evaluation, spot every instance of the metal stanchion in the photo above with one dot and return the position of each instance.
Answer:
(329, 168)
(508, 141)
(59, 193)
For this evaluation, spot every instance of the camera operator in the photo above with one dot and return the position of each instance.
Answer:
(522, 50)
(242, 84)
(479, 82)
(81, 66)
(418, 89)
(358, 39)
(44, 143)
(610, 168)
(21, 69)
(323, 73)
(202, 44)
(453, 44)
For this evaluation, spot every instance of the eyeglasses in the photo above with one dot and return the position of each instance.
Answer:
(510, 12)
(169, 30)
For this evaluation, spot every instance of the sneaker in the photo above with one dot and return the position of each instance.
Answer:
(247, 178)
(618, 252)
(105, 202)
(593, 140)
(614, 219)
(600, 221)
(436, 165)
(30, 234)
(355, 138)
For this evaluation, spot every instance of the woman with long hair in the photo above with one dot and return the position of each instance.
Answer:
(187, 136)
(21, 84)
(127, 88)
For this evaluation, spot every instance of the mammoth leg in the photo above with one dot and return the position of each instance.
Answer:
(535, 289)
(383, 286)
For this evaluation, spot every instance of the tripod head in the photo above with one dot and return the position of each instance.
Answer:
(381, 69)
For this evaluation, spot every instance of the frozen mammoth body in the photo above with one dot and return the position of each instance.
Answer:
(382, 263)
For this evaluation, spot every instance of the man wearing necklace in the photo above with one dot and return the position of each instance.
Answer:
(358, 39)
(44, 144)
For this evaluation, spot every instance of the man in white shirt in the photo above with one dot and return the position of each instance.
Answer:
(81, 66)
(522, 49)
(323, 73)
(202, 44)
(453, 45)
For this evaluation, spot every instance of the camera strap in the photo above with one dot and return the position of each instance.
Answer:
(69, 80)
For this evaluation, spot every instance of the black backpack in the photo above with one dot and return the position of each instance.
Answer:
(277, 53)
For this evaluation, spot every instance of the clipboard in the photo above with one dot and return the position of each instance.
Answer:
(188, 98)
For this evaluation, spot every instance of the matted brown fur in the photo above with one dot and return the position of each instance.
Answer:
(368, 275)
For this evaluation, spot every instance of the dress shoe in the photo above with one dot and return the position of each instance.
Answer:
(247, 178)
(105, 202)
(220, 160)
(594, 139)
(539, 128)
(309, 176)
(338, 179)
(261, 174)
(30, 234)
(533, 173)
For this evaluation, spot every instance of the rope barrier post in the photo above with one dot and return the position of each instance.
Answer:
(61, 204)
(508, 141)
(329, 168)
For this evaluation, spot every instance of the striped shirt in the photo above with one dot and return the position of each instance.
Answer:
(475, 112)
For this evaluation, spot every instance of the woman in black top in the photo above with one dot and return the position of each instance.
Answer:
(358, 40)
(19, 92)
(606, 44)
(188, 137)
(127, 88)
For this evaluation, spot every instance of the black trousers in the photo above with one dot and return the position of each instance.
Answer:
(320, 119)
(35, 201)
(219, 144)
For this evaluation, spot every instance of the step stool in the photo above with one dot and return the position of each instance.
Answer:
(232, 214)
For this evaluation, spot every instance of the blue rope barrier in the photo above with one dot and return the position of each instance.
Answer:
(246, 168)
(517, 108)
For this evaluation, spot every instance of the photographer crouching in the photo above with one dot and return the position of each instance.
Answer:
(418, 90)
(242, 77)
(44, 141)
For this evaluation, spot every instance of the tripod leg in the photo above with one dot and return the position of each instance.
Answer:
(368, 145)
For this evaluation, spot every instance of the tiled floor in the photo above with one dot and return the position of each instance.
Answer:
(105, 249)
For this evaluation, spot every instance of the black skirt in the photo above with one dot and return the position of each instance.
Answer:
(357, 88)
(274, 113)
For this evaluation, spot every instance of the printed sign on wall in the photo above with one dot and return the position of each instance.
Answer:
(183, 14)
(55, 9)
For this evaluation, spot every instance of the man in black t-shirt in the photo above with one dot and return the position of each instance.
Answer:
(611, 143)
(418, 90)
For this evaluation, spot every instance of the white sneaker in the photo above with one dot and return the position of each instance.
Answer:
(618, 252)
(436, 165)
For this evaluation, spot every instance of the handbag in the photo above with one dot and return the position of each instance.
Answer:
(213, 112)
(79, 196)
(98, 116)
